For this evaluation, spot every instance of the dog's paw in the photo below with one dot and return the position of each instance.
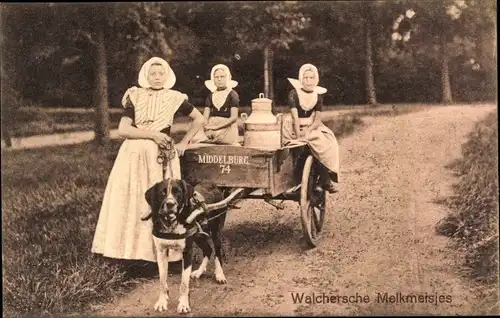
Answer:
(183, 307)
(162, 303)
(197, 273)
(219, 273)
(202, 269)
(220, 278)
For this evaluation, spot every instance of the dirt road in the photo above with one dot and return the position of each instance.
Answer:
(379, 235)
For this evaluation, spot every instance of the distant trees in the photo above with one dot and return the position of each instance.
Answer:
(367, 52)
(100, 35)
(445, 30)
(266, 26)
(116, 32)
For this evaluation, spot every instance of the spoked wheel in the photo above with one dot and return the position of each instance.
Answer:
(312, 203)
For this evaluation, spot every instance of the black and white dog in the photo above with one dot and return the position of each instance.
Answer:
(174, 232)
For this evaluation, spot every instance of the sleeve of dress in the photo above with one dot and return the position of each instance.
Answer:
(233, 99)
(208, 101)
(129, 110)
(293, 99)
(186, 108)
(128, 105)
(319, 104)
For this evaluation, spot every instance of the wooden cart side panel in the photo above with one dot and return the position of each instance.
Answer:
(234, 176)
(285, 174)
(227, 166)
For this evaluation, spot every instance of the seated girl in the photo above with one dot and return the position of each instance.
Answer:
(221, 111)
(305, 125)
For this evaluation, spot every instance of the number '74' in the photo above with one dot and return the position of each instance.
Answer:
(225, 168)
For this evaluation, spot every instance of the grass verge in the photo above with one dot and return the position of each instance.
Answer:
(473, 222)
(32, 121)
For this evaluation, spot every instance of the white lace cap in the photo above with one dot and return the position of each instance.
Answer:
(230, 84)
(143, 74)
(297, 83)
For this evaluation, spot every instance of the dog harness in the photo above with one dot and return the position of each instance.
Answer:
(193, 230)
(197, 203)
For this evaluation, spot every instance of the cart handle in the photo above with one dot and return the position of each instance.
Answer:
(214, 206)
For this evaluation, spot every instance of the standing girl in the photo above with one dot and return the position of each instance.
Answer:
(149, 113)
(305, 125)
(221, 111)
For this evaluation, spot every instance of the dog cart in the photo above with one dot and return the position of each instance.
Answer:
(288, 173)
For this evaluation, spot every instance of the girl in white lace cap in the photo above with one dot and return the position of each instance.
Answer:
(305, 125)
(149, 113)
(221, 109)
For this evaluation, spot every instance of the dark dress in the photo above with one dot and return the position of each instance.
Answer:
(228, 135)
(321, 141)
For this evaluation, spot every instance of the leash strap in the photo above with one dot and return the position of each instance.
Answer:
(165, 155)
(216, 216)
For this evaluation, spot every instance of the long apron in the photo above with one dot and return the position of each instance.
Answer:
(322, 142)
(120, 233)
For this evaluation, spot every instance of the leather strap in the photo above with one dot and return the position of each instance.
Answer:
(175, 236)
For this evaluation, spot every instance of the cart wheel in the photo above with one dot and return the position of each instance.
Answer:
(312, 204)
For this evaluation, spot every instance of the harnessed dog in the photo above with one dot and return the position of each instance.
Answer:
(175, 229)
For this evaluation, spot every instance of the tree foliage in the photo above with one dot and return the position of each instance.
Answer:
(53, 62)
(254, 25)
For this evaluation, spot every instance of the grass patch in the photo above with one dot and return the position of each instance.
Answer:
(473, 222)
(51, 201)
(32, 121)
(345, 125)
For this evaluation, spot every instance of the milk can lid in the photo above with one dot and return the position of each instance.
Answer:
(262, 99)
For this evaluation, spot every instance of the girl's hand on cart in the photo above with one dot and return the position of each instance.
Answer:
(163, 140)
(181, 147)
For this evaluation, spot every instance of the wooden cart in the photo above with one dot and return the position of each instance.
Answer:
(289, 173)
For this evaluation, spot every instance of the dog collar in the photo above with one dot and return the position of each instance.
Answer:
(195, 229)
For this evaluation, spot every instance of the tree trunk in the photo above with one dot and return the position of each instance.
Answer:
(445, 75)
(487, 62)
(271, 74)
(6, 136)
(266, 70)
(101, 90)
(8, 106)
(369, 78)
(6, 118)
(141, 59)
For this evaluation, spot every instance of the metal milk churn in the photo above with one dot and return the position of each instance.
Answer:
(262, 128)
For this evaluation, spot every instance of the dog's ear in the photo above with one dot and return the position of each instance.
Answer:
(188, 190)
(151, 195)
(150, 199)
